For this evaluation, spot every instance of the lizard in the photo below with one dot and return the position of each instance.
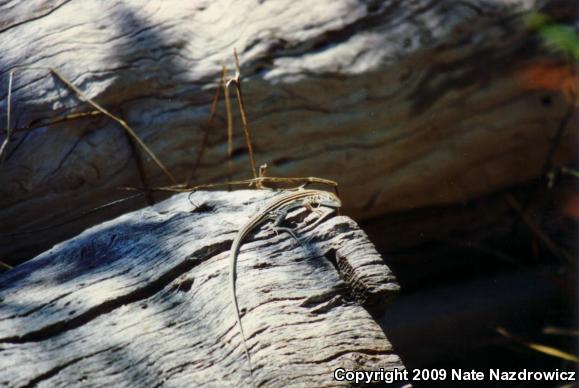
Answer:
(284, 202)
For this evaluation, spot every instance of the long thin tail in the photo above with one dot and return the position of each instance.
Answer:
(232, 279)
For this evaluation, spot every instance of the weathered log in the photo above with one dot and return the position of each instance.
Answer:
(143, 300)
(406, 103)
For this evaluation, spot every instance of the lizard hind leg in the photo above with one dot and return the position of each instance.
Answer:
(289, 231)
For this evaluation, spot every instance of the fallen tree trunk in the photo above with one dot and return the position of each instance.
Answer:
(143, 300)
(407, 104)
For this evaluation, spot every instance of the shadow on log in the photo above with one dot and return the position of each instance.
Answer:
(408, 104)
(143, 300)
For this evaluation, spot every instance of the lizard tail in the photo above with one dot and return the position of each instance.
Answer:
(232, 279)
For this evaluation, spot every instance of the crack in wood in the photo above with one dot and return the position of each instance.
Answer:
(137, 295)
(35, 18)
(57, 369)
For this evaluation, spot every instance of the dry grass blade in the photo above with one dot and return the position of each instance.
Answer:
(4, 147)
(73, 116)
(552, 330)
(99, 108)
(237, 81)
(536, 229)
(548, 350)
(302, 180)
(208, 128)
(5, 266)
(246, 182)
(74, 218)
(570, 171)
(257, 181)
(229, 134)
(121, 122)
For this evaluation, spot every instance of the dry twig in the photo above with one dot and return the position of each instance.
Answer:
(85, 98)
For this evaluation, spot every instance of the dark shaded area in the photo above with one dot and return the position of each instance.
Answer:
(481, 276)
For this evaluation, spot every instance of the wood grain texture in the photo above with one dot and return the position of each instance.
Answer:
(143, 300)
(406, 103)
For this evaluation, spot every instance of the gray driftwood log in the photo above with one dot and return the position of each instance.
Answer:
(143, 301)
(407, 103)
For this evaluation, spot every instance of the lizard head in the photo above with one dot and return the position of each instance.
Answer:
(327, 199)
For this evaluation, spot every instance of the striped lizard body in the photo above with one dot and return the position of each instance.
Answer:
(284, 202)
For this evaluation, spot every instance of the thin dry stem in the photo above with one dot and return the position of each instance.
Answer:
(74, 218)
(237, 81)
(209, 125)
(4, 147)
(247, 182)
(545, 349)
(536, 229)
(102, 110)
(229, 134)
(122, 123)
(70, 117)
(6, 266)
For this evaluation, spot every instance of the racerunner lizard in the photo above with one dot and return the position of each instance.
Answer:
(285, 202)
